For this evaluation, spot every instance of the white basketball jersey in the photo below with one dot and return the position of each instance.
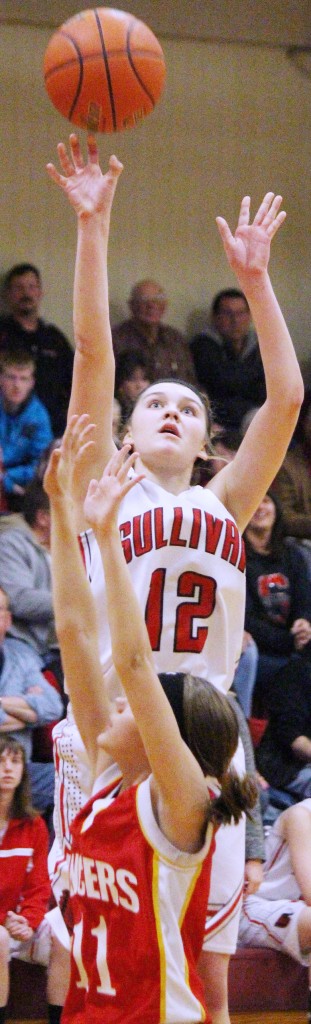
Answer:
(279, 879)
(187, 563)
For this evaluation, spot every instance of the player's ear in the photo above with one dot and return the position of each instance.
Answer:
(203, 453)
(127, 437)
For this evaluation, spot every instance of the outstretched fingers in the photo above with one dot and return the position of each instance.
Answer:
(119, 465)
(268, 215)
(244, 211)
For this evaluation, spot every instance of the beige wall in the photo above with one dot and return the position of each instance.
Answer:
(234, 118)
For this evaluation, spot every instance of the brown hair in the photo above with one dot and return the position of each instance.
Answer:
(210, 728)
(19, 357)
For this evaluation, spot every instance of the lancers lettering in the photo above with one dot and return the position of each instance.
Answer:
(99, 881)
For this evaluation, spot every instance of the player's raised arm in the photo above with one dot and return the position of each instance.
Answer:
(242, 484)
(90, 192)
(75, 614)
(182, 821)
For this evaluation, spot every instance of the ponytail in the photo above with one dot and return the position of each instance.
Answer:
(238, 795)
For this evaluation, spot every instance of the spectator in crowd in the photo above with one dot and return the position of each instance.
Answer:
(26, 701)
(283, 756)
(24, 882)
(279, 916)
(227, 359)
(163, 347)
(24, 328)
(25, 426)
(131, 379)
(278, 600)
(292, 485)
(25, 574)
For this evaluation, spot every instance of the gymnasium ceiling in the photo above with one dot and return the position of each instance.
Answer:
(269, 22)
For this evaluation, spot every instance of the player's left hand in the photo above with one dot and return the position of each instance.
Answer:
(248, 250)
(89, 190)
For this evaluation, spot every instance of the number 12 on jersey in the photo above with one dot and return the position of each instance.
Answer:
(187, 636)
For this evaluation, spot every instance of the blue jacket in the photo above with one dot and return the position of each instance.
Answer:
(23, 438)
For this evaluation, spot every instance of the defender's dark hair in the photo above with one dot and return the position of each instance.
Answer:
(209, 726)
(21, 806)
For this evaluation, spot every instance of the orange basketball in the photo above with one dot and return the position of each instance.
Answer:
(104, 70)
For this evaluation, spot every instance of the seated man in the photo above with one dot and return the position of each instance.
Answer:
(24, 328)
(25, 573)
(26, 700)
(227, 360)
(164, 348)
(279, 915)
(25, 426)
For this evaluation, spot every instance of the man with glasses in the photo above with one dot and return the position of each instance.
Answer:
(227, 360)
(163, 347)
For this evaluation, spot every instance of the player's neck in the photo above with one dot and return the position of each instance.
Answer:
(174, 482)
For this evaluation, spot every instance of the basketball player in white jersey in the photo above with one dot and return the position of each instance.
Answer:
(141, 858)
(183, 548)
(279, 915)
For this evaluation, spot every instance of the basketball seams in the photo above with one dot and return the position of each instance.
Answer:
(96, 53)
(107, 69)
(132, 65)
(48, 75)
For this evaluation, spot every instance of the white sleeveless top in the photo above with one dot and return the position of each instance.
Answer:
(279, 880)
(186, 559)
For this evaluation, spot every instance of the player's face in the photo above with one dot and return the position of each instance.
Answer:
(122, 734)
(169, 419)
(11, 770)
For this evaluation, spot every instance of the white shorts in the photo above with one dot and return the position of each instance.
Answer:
(272, 924)
(227, 882)
(35, 950)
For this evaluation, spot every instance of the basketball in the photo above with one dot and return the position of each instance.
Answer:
(104, 70)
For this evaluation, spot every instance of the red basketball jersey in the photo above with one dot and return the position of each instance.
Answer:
(139, 909)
